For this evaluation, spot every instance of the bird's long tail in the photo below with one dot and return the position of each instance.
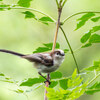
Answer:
(11, 52)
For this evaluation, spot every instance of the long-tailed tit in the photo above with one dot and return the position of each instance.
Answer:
(43, 62)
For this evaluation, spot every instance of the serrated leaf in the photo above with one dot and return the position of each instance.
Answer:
(1, 74)
(63, 83)
(32, 81)
(53, 84)
(29, 14)
(86, 45)
(95, 19)
(46, 19)
(95, 28)
(93, 89)
(85, 37)
(55, 75)
(95, 38)
(84, 19)
(24, 3)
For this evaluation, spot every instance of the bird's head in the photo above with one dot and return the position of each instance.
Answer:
(58, 54)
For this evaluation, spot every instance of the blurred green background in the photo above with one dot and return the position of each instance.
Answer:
(25, 35)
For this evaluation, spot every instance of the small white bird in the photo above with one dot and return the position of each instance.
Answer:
(44, 62)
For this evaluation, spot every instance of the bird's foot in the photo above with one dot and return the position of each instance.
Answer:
(47, 81)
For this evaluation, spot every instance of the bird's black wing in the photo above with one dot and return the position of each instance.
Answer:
(44, 59)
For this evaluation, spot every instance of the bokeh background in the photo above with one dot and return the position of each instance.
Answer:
(25, 35)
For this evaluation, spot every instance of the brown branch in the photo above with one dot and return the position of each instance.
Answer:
(54, 43)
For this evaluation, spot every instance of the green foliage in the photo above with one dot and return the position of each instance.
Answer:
(95, 38)
(55, 75)
(47, 47)
(18, 91)
(32, 81)
(53, 84)
(24, 3)
(46, 19)
(95, 19)
(93, 89)
(63, 83)
(29, 14)
(96, 66)
(85, 37)
(95, 29)
(74, 89)
(1, 74)
(2, 9)
(84, 19)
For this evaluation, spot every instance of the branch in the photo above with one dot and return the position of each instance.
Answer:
(70, 49)
(31, 9)
(54, 43)
(78, 14)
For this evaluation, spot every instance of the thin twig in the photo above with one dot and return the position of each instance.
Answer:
(70, 49)
(31, 9)
(78, 14)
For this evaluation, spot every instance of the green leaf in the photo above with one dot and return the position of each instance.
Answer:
(24, 3)
(84, 19)
(46, 19)
(95, 38)
(0, 0)
(32, 81)
(74, 74)
(66, 50)
(41, 49)
(18, 91)
(85, 37)
(86, 45)
(63, 83)
(96, 66)
(47, 47)
(87, 16)
(1, 74)
(3, 6)
(29, 14)
(93, 89)
(53, 84)
(95, 28)
(80, 24)
(95, 19)
(55, 75)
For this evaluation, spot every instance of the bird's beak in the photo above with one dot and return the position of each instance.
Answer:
(63, 54)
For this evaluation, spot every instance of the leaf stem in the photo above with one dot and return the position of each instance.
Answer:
(94, 79)
(31, 9)
(70, 49)
(78, 14)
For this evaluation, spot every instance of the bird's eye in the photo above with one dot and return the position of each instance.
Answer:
(57, 53)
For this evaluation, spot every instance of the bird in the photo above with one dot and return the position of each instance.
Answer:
(45, 62)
